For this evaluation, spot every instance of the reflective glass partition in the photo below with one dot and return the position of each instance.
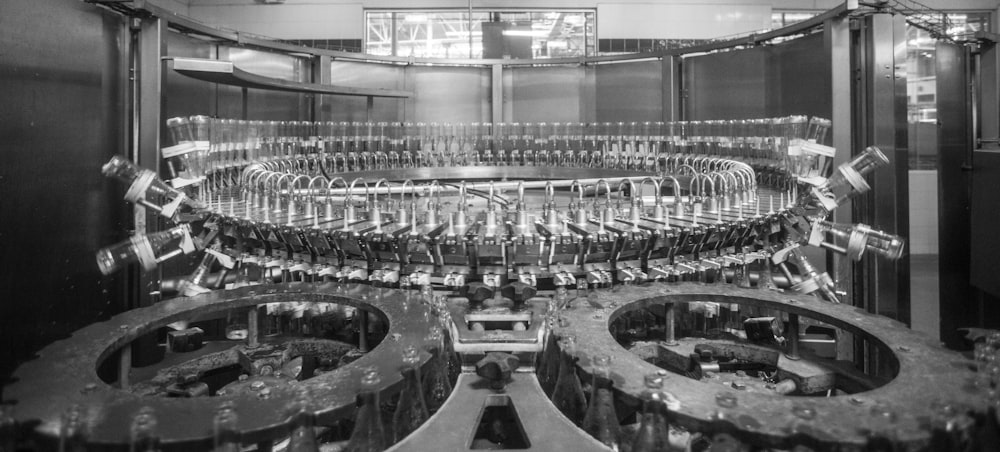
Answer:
(486, 34)
(780, 19)
(921, 89)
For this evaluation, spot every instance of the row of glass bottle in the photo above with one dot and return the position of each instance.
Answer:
(596, 415)
(215, 144)
(423, 392)
(197, 128)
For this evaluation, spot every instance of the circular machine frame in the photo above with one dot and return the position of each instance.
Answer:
(909, 409)
(65, 374)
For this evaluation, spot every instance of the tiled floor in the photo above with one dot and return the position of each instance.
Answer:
(924, 293)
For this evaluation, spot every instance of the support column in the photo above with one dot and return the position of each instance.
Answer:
(671, 76)
(837, 40)
(960, 301)
(497, 95)
(883, 286)
(147, 103)
(320, 75)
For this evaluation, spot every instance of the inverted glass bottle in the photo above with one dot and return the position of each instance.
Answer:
(653, 434)
(411, 409)
(568, 394)
(225, 430)
(369, 434)
(436, 381)
(601, 420)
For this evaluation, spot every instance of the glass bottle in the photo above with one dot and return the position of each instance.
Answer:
(225, 430)
(303, 421)
(411, 409)
(601, 420)
(568, 393)
(548, 366)
(436, 381)
(741, 274)
(847, 180)
(858, 238)
(129, 173)
(454, 360)
(142, 248)
(8, 428)
(653, 434)
(72, 431)
(766, 278)
(369, 433)
(144, 437)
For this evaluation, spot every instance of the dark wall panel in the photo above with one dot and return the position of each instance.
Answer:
(546, 94)
(364, 75)
(780, 80)
(629, 91)
(263, 104)
(799, 78)
(729, 85)
(184, 95)
(61, 92)
(448, 94)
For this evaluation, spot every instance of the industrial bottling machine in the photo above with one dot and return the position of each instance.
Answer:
(561, 286)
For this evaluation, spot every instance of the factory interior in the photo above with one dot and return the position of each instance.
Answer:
(627, 225)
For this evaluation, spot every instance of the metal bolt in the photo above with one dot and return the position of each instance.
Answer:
(726, 400)
(804, 412)
(880, 411)
(257, 385)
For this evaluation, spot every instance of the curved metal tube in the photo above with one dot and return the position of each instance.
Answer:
(607, 193)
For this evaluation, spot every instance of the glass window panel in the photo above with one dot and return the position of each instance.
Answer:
(379, 33)
(449, 34)
(964, 25)
(777, 20)
(921, 89)
(791, 18)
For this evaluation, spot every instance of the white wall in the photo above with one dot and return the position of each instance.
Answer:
(344, 19)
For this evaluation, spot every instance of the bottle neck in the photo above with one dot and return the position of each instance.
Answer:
(227, 441)
(602, 382)
(411, 377)
(147, 444)
(368, 399)
(567, 362)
